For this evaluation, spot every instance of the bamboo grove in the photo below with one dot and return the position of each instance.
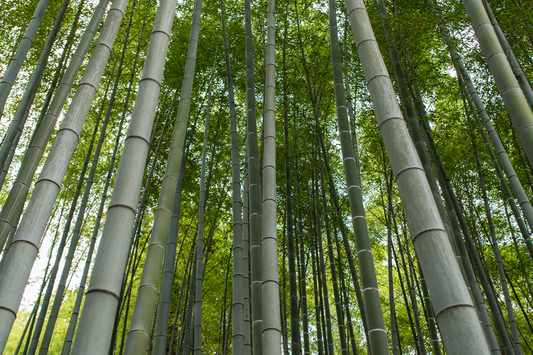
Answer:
(274, 177)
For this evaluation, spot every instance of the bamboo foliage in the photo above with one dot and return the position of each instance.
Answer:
(197, 297)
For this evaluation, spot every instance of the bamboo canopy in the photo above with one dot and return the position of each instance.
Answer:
(274, 177)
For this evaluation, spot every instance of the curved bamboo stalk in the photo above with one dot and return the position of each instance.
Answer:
(102, 298)
(21, 114)
(454, 309)
(22, 51)
(513, 97)
(42, 136)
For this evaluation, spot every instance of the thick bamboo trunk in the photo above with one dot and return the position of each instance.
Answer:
(102, 300)
(147, 294)
(270, 288)
(454, 310)
(515, 66)
(66, 231)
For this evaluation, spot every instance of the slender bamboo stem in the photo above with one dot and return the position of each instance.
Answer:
(44, 132)
(102, 299)
(255, 190)
(23, 48)
(17, 124)
(510, 91)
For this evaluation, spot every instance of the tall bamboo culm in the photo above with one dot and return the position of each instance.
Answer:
(271, 305)
(29, 94)
(254, 190)
(238, 308)
(22, 51)
(453, 306)
(102, 298)
(140, 324)
(23, 251)
(44, 132)
(510, 91)
(377, 333)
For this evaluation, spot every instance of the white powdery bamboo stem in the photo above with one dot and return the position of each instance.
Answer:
(510, 91)
(23, 251)
(22, 51)
(102, 299)
(271, 307)
(454, 311)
